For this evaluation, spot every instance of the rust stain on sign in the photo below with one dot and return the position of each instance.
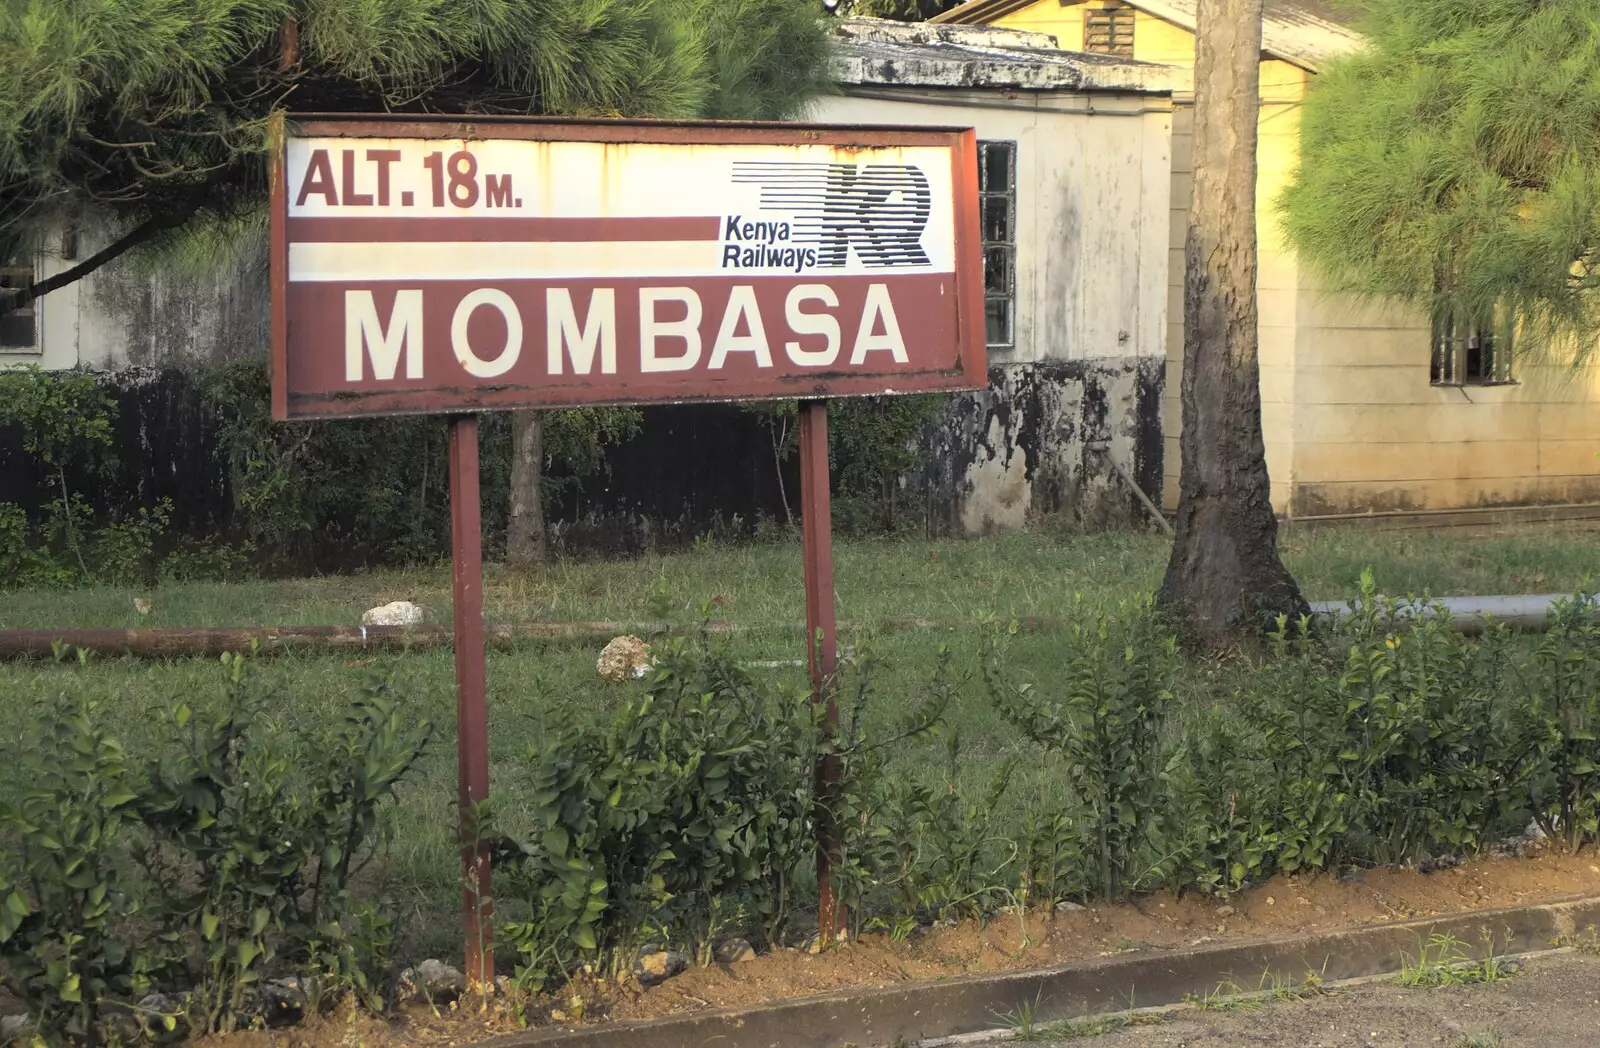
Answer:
(427, 265)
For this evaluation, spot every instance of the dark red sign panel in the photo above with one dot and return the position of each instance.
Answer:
(435, 265)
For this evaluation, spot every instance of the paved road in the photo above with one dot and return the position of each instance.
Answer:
(1553, 1002)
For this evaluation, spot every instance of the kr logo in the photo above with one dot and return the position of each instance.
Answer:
(879, 210)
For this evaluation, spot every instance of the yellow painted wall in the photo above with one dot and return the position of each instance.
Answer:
(1154, 40)
(1350, 419)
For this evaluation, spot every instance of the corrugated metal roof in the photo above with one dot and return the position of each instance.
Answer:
(1306, 33)
(918, 54)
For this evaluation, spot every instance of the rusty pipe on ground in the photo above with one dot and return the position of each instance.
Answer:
(1470, 615)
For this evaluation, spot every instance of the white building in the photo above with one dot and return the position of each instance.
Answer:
(1075, 168)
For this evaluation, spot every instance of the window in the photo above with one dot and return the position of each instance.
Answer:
(997, 185)
(19, 328)
(1108, 29)
(1468, 354)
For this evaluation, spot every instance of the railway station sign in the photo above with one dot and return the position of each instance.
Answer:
(439, 265)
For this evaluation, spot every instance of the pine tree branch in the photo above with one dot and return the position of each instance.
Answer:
(139, 234)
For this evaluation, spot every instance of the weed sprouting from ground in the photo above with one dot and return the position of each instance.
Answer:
(1446, 961)
(1095, 1026)
(1272, 988)
(1487, 1039)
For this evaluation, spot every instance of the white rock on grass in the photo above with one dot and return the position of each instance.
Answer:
(395, 613)
(433, 981)
(623, 658)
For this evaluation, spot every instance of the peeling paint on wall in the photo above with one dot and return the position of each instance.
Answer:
(1028, 447)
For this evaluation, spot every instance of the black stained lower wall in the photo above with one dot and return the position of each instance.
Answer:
(1022, 449)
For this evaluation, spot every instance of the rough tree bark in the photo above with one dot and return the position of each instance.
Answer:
(525, 542)
(1225, 574)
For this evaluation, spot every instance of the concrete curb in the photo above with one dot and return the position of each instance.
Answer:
(917, 1012)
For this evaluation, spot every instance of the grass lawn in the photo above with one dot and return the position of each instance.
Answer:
(1035, 573)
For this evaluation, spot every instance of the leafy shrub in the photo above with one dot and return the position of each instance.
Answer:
(255, 839)
(194, 872)
(1106, 721)
(689, 811)
(1562, 724)
(67, 935)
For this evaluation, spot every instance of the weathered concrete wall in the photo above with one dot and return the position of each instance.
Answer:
(1034, 444)
(1093, 199)
(135, 313)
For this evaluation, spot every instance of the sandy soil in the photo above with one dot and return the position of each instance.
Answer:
(1554, 1002)
(1282, 906)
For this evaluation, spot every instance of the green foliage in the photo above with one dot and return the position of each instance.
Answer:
(376, 488)
(690, 811)
(158, 108)
(65, 891)
(256, 835)
(1446, 961)
(199, 872)
(1392, 739)
(61, 416)
(1114, 697)
(1455, 163)
(1562, 723)
(874, 445)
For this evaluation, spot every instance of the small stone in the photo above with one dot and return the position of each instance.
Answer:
(557, 1015)
(733, 951)
(432, 980)
(1225, 911)
(624, 658)
(658, 967)
(1271, 901)
(1068, 906)
(395, 613)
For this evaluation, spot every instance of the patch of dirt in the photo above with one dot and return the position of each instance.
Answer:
(1282, 906)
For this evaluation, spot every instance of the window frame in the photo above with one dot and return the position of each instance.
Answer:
(25, 273)
(1450, 358)
(1004, 196)
(1114, 17)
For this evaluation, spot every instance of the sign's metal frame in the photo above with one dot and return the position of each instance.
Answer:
(968, 374)
(465, 515)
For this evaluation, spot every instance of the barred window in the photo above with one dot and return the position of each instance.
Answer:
(19, 328)
(1108, 30)
(1469, 354)
(997, 184)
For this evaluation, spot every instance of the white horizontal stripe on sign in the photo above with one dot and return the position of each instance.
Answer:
(535, 260)
(503, 261)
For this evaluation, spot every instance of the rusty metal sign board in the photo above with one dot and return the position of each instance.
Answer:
(436, 265)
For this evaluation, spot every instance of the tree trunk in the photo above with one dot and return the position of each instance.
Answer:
(525, 545)
(1225, 576)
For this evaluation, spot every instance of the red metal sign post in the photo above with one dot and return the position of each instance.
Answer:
(472, 716)
(438, 265)
(822, 642)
